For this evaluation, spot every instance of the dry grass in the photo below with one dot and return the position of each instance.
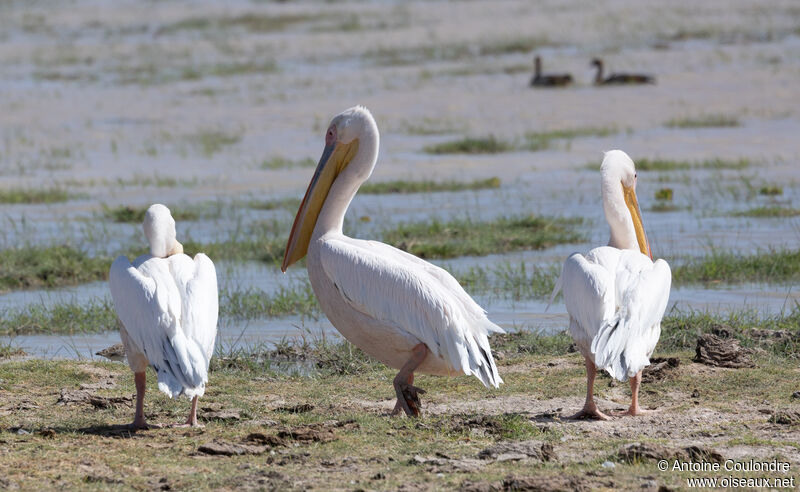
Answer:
(360, 446)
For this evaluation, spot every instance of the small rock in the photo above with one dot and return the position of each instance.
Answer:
(22, 432)
(609, 464)
(230, 449)
(785, 417)
(696, 393)
(265, 440)
(660, 368)
(551, 483)
(308, 434)
(527, 449)
(510, 457)
(47, 432)
(223, 415)
(301, 408)
(640, 451)
(110, 401)
(115, 352)
(69, 397)
(721, 352)
(796, 395)
(92, 478)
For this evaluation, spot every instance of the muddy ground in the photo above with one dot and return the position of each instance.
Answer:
(266, 430)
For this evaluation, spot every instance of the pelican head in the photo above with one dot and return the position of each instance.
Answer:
(618, 176)
(351, 149)
(159, 228)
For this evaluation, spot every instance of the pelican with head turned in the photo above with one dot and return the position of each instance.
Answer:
(616, 295)
(407, 313)
(168, 305)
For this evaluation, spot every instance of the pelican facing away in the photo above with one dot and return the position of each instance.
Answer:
(168, 306)
(616, 295)
(405, 312)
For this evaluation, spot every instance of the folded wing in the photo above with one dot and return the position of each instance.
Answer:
(148, 303)
(624, 343)
(589, 297)
(197, 283)
(410, 294)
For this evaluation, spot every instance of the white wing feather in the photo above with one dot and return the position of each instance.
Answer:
(197, 283)
(625, 342)
(410, 294)
(589, 297)
(148, 303)
(616, 299)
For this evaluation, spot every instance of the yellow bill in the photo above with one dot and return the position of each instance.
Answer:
(334, 159)
(633, 206)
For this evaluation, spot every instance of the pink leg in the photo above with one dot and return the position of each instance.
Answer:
(191, 421)
(635, 409)
(590, 409)
(407, 394)
(140, 380)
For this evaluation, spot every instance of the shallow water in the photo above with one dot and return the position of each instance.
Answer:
(509, 314)
(72, 118)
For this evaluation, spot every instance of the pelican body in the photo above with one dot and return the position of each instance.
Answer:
(407, 313)
(616, 295)
(168, 305)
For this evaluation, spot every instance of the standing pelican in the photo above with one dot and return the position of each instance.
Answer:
(616, 295)
(168, 306)
(407, 313)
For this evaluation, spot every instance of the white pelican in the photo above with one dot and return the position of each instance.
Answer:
(405, 312)
(616, 295)
(168, 306)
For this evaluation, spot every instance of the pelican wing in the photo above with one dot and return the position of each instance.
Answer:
(624, 342)
(197, 283)
(414, 296)
(148, 303)
(589, 296)
(448, 282)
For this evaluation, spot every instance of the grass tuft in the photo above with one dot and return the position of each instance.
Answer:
(32, 196)
(532, 342)
(531, 142)
(766, 212)
(464, 237)
(64, 318)
(135, 215)
(771, 190)
(7, 350)
(510, 280)
(50, 266)
(471, 145)
(727, 267)
(268, 250)
(705, 121)
(277, 162)
(389, 187)
(674, 165)
(664, 194)
(679, 330)
(212, 141)
(254, 303)
(291, 204)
